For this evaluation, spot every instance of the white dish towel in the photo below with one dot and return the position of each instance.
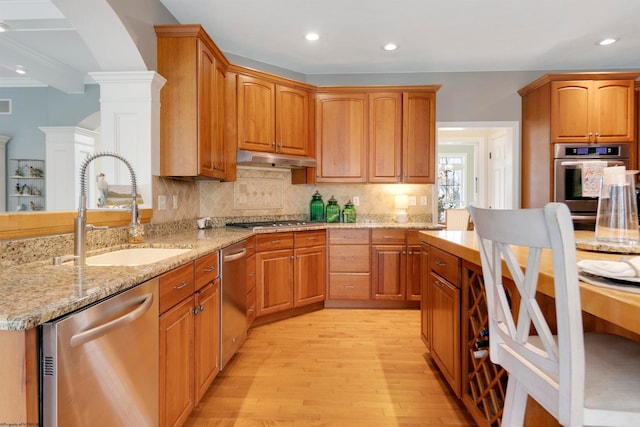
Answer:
(614, 269)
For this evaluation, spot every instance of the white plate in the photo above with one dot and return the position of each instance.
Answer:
(613, 278)
(619, 285)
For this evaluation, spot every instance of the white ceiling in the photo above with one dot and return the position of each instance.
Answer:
(432, 35)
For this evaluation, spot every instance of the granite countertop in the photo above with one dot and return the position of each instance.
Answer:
(34, 293)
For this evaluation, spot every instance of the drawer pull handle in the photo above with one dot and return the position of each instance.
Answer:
(253, 273)
(210, 269)
(387, 237)
(185, 283)
(275, 242)
(348, 258)
(440, 263)
(349, 286)
(312, 238)
(438, 283)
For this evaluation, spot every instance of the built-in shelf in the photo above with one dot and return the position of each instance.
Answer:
(26, 185)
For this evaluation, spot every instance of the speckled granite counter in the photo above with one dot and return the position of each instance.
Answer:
(36, 292)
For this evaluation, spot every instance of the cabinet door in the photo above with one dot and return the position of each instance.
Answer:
(292, 120)
(613, 111)
(207, 337)
(310, 275)
(419, 137)
(413, 273)
(388, 272)
(570, 111)
(341, 137)
(177, 394)
(445, 330)
(211, 154)
(385, 137)
(274, 281)
(256, 114)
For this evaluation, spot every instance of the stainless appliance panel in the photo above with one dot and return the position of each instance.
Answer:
(568, 162)
(233, 322)
(100, 364)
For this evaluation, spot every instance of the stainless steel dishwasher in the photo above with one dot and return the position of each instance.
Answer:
(233, 322)
(99, 365)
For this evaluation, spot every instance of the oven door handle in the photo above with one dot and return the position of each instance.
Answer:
(582, 162)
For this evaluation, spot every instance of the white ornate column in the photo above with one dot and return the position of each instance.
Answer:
(3, 172)
(130, 122)
(65, 149)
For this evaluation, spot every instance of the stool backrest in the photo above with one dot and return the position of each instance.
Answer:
(521, 339)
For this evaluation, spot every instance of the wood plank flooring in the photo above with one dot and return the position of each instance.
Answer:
(334, 367)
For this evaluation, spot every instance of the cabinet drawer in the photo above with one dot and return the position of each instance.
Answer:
(176, 285)
(446, 265)
(388, 237)
(207, 269)
(349, 237)
(273, 241)
(349, 258)
(349, 286)
(303, 239)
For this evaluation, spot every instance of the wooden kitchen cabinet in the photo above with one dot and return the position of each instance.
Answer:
(189, 336)
(310, 268)
(341, 137)
(425, 309)
(395, 265)
(272, 117)
(192, 117)
(349, 264)
(366, 134)
(443, 294)
(251, 280)
(402, 137)
(571, 107)
(290, 270)
(592, 111)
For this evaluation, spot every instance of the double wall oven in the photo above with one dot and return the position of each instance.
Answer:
(576, 181)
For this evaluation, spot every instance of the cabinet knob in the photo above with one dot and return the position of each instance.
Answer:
(201, 308)
(195, 311)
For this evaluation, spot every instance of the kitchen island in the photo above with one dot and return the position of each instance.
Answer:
(454, 317)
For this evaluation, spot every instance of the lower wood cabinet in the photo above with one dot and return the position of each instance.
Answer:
(189, 336)
(395, 265)
(349, 264)
(290, 270)
(442, 275)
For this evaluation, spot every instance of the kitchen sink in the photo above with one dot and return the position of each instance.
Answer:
(134, 256)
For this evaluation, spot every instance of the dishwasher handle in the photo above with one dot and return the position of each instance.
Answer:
(93, 333)
(234, 256)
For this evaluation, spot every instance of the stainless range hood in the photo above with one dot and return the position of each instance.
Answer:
(258, 157)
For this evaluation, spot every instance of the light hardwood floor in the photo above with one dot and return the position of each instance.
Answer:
(333, 367)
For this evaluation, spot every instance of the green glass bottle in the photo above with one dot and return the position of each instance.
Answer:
(349, 212)
(316, 208)
(333, 210)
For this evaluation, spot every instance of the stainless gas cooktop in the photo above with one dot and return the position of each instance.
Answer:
(268, 224)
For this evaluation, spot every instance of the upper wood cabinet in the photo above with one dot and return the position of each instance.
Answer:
(592, 111)
(272, 117)
(341, 137)
(366, 134)
(192, 113)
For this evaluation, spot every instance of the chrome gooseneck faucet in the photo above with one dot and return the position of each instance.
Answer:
(80, 222)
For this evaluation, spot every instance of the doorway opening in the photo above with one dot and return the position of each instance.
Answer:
(477, 161)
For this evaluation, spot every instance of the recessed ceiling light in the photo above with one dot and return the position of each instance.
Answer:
(312, 37)
(390, 46)
(4, 27)
(606, 42)
(20, 69)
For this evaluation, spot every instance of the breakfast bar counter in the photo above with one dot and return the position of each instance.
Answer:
(616, 307)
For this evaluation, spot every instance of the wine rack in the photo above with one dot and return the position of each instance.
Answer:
(484, 384)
